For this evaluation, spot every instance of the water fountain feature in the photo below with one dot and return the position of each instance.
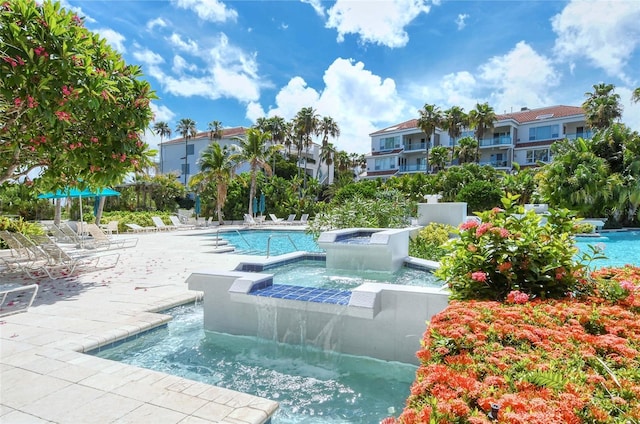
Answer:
(379, 320)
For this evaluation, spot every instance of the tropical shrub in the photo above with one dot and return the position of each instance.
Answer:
(389, 209)
(18, 226)
(480, 196)
(429, 243)
(510, 251)
(539, 362)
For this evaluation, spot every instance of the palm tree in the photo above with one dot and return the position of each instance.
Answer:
(430, 119)
(306, 122)
(216, 168)
(439, 157)
(482, 118)
(635, 96)
(453, 121)
(327, 127)
(162, 129)
(215, 130)
(187, 128)
(466, 150)
(254, 150)
(602, 106)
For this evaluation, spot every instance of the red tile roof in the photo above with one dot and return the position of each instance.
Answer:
(522, 116)
(226, 133)
(532, 115)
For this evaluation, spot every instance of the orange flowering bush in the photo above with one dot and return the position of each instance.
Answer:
(571, 360)
(511, 251)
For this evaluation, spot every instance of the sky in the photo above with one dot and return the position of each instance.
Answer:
(368, 64)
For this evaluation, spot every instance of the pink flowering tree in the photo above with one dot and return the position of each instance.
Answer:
(70, 108)
(514, 256)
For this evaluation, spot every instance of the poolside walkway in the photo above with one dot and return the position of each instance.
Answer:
(45, 377)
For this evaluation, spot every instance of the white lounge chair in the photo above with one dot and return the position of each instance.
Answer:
(100, 239)
(160, 225)
(248, 220)
(135, 228)
(179, 225)
(291, 219)
(303, 219)
(275, 219)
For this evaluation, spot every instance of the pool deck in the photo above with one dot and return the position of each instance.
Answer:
(46, 378)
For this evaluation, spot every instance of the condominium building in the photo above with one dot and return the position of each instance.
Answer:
(522, 137)
(180, 157)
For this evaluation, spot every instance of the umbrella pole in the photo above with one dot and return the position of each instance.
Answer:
(81, 226)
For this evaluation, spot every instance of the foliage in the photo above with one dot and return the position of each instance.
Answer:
(389, 209)
(439, 157)
(414, 186)
(540, 362)
(20, 200)
(18, 226)
(140, 218)
(74, 109)
(602, 106)
(429, 243)
(367, 189)
(584, 228)
(521, 181)
(451, 181)
(480, 195)
(510, 251)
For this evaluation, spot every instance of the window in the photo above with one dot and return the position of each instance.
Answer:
(185, 169)
(388, 143)
(190, 149)
(544, 133)
(383, 164)
(537, 155)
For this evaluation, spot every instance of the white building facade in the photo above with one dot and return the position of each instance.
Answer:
(523, 137)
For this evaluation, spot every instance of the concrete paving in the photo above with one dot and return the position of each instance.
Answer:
(46, 378)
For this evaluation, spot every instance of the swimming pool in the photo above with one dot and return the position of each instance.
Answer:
(306, 273)
(312, 386)
(254, 242)
(620, 247)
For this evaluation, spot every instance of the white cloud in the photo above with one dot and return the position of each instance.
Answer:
(631, 111)
(208, 10)
(382, 23)
(78, 11)
(460, 21)
(180, 65)
(522, 77)
(357, 99)
(188, 45)
(157, 22)
(115, 39)
(317, 6)
(605, 33)
(228, 72)
(161, 112)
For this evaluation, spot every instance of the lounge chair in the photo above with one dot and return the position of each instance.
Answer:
(304, 219)
(275, 219)
(135, 228)
(248, 220)
(160, 225)
(179, 225)
(17, 299)
(110, 227)
(291, 219)
(100, 239)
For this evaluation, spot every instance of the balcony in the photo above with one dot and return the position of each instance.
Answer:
(496, 163)
(413, 168)
(410, 147)
(583, 134)
(499, 141)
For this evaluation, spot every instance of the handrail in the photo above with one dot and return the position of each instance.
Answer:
(243, 239)
(279, 235)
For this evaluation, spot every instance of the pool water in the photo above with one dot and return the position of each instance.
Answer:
(312, 386)
(315, 274)
(254, 242)
(620, 248)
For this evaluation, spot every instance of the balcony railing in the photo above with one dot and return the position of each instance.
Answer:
(408, 147)
(499, 141)
(583, 134)
(495, 163)
(413, 168)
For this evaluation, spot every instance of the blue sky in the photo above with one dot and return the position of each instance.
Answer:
(369, 64)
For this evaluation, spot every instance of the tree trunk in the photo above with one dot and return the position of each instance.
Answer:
(100, 209)
(58, 214)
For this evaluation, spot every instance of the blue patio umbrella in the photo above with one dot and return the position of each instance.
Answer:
(197, 206)
(262, 207)
(71, 192)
